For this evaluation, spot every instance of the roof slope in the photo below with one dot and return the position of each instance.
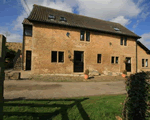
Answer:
(40, 14)
(27, 22)
(143, 47)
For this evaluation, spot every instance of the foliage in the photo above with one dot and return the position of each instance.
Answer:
(135, 105)
(10, 54)
(124, 72)
(125, 61)
(86, 72)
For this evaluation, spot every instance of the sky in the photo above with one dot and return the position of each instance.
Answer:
(133, 14)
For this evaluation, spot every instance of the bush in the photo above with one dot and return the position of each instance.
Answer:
(86, 72)
(135, 105)
(124, 72)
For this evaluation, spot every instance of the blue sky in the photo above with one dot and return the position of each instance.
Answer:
(133, 14)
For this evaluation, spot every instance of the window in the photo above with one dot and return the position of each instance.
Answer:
(63, 19)
(146, 62)
(61, 56)
(116, 60)
(121, 41)
(125, 41)
(87, 36)
(82, 35)
(142, 62)
(98, 58)
(28, 30)
(54, 56)
(51, 17)
(112, 59)
(116, 29)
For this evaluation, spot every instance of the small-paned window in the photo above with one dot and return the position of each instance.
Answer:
(54, 56)
(63, 19)
(61, 56)
(51, 17)
(116, 29)
(112, 59)
(116, 60)
(98, 58)
(146, 63)
(121, 41)
(87, 36)
(125, 41)
(82, 35)
(142, 62)
(28, 30)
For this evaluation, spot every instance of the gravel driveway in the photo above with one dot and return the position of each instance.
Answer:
(31, 89)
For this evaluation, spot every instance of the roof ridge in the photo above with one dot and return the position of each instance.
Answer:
(75, 14)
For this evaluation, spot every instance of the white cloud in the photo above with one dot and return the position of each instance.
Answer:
(114, 10)
(122, 20)
(108, 9)
(145, 39)
(18, 22)
(10, 37)
(47, 3)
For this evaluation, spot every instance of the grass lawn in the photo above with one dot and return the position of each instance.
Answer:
(104, 107)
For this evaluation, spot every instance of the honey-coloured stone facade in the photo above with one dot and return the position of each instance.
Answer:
(142, 55)
(47, 38)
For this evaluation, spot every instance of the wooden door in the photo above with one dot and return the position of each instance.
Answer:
(78, 61)
(28, 60)
(128, 64)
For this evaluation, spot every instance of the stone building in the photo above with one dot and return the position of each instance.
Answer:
(143, 57)
(58, 42)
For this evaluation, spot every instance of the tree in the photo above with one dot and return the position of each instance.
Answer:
(10, 54)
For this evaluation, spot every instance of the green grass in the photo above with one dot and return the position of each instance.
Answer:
(104, 107)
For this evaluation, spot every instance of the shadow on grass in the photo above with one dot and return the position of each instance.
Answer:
(49, 115)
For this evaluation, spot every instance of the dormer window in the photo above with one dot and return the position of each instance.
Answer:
(63, 19)
(51, 17)
(116, 29)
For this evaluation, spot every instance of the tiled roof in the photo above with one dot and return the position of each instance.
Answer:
(27, 22)
(143, 47)
(40, 14)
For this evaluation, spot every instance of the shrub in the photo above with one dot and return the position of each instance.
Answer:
(86, 72)
(124, 72)
(135, 104)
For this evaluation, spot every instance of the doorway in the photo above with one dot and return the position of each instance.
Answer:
(78, 61)
(128, 64)
(28, 60)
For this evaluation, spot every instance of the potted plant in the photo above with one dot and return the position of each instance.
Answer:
(125, 61)
(86, 74)
(124, 73)
(69, 56)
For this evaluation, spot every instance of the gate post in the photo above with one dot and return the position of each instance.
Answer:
(2, 73)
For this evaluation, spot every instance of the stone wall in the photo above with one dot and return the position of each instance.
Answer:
(47, 38)
(14, 46)
(142, 55)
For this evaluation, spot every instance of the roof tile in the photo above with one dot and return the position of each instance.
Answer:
(40, 14)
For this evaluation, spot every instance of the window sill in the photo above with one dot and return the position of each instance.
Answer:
(85, 41)
(145, 67)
